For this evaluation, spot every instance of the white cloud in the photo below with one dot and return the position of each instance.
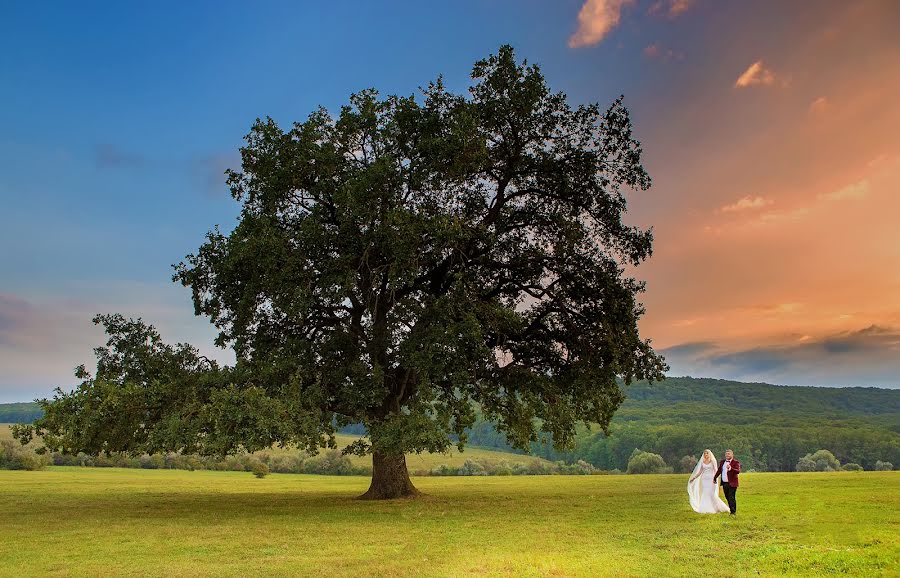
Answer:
(595, 20)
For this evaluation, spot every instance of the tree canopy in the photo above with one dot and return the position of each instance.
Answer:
(397, 265)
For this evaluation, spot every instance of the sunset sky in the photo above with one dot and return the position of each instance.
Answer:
(771, 130)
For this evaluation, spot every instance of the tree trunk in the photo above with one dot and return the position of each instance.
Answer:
(390, 478)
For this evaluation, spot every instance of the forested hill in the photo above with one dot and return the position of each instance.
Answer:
(19, 412)
(837, 401)
(770, 427)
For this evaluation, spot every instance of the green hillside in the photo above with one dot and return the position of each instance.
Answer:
(769, 427)
(19, 412)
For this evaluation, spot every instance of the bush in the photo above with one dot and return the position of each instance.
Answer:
(806, 465)
(471, 468)
(642, 462)
(820, 461)
(333, 463)
(259, 469)
(851, 467)
(881, 466)
(15, 457)
(686, 464)
(286, 464)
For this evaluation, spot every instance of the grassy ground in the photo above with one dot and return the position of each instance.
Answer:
(92, 522)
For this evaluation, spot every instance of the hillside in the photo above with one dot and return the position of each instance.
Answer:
(19, 412)
(770, 427)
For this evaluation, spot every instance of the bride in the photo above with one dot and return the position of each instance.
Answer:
(702, 490)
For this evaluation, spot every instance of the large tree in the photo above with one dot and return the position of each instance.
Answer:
(397, 266)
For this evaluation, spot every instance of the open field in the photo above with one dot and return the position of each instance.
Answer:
(107, 521)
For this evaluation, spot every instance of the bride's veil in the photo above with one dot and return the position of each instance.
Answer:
(694, 487)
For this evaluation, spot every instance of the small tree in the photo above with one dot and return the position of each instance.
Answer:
(881, 466)
(642, 462)
(851, 467)
(395, 266)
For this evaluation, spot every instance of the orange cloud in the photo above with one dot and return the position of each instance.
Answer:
(757, 73)
(595, 20)
(855, 191)
(745, 203)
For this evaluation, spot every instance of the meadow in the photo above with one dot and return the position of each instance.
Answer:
(70, 521)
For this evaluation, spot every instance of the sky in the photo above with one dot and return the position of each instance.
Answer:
(771, 131)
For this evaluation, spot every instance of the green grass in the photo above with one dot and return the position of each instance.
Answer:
(93, 522)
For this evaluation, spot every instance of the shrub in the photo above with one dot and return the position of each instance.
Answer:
(471, 468)
(259, 469)
(443, 470)
(881, 466)
(15, 457)
(686, 464)
(286, 464)
(806, 465)
(851, 467)
(820, 461)
(333, 463)
(642, 462)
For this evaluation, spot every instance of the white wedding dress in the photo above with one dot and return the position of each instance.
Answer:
(703, 491)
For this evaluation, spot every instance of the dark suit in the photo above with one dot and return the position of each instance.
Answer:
(730, 487)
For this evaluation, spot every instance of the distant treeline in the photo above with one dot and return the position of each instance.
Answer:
(769, 427)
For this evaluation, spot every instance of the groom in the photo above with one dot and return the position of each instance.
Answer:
(729, 468)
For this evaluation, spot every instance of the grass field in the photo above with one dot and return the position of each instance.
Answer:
(106, 521)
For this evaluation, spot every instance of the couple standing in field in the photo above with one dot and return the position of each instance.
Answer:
(702, 490)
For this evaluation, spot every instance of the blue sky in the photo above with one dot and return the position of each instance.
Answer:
(118, 120)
